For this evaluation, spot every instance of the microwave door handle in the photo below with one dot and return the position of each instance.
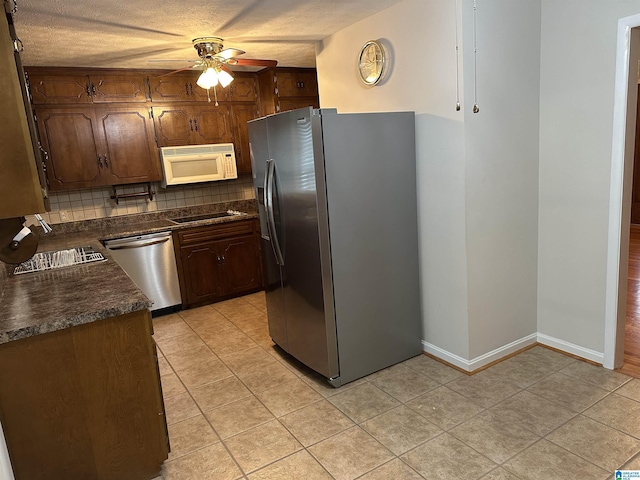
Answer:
(268, 203)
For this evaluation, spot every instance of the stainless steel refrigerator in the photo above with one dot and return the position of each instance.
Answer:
(338, 217)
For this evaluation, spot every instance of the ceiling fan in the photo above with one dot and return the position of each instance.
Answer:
(214, 61)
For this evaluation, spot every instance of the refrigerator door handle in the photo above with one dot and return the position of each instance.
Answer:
(268, 203)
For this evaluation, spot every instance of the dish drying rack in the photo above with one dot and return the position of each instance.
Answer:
(59, 259)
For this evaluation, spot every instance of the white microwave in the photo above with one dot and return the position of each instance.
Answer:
(198, 163)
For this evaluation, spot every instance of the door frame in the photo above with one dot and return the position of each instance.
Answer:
(623, 146)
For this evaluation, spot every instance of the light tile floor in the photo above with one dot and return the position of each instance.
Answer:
(239, 408)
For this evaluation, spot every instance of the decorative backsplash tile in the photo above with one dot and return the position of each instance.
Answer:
(97, 203)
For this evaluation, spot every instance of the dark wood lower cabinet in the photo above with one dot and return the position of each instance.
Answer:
(219, 261)
(84, 402)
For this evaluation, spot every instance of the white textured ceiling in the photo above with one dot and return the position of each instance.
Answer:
(128, 33)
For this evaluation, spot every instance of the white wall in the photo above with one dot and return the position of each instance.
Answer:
(578, 51)
(477, 174)
(421, 35)
(502, 171)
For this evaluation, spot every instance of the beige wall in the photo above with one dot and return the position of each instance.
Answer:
(477, 174)
(576, 117)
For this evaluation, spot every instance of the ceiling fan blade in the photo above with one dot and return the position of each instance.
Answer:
(228, 53)
(253, 62)
(179, 70)
(226, 69)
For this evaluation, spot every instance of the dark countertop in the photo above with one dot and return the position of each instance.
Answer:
(42, 302)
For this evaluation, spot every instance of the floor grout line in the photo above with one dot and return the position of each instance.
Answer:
(308, 381)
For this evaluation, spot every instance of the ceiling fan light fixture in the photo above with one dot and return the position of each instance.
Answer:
(225, 78)
(208, 78)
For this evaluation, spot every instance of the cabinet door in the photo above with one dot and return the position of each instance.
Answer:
(173, 125)
(69, 137)
(285, 104)
(297, 84)
(130, 153)
(211, 124)
(57, 89)
(240, 262)
(172, 88)
(242, 89)
(241, 115)
(118, 88)
(201, 273)
(177, 88)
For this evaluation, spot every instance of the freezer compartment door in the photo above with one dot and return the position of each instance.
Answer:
(303, 239)
(274, 296)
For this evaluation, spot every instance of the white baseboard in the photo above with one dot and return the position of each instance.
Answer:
(482, 360)
(498, 353)
(571, 348)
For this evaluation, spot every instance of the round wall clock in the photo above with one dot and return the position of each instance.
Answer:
(372, 63)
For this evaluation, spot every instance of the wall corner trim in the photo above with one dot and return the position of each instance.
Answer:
(501, 352)
(571, 348)
(482, 360)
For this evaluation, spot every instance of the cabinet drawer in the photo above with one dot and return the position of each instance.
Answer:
(195, 235)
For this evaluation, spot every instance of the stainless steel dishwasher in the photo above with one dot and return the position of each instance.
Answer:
(151, 263)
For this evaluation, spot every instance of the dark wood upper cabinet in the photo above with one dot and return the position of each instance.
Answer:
(182, 87)
(130, 151)
(98, 88)
(89, 146)
(178, 87)
(118, 88)
(297, 83)
(242, 89)
(283, 89)
(57, 89)
(241, 114)
(104, 126)
(172, 125)
(192, 125)
(69, 137)
(212, 124)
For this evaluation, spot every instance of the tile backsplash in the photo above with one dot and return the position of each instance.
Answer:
(97, 203)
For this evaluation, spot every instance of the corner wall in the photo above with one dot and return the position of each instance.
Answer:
(420, 36)
(501, 174)
(477, 174)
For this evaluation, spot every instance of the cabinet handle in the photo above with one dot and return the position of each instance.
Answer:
(93, 89)
(106, 163)
(99, 161)
(218, 259)
(223, 259)
(186, 88)
(191, 125)
(88, 89)
(195, 123)
(191, 88)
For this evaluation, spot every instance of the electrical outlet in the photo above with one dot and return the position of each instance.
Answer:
(64, 216)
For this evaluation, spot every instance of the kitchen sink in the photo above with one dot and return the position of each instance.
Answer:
(204, 216)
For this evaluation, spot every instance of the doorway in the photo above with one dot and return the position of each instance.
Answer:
(620, 200)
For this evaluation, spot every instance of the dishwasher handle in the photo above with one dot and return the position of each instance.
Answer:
(137, 245)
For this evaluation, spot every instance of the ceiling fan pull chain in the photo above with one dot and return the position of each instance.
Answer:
(476, 109)
(215, 95)
(455, 2)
